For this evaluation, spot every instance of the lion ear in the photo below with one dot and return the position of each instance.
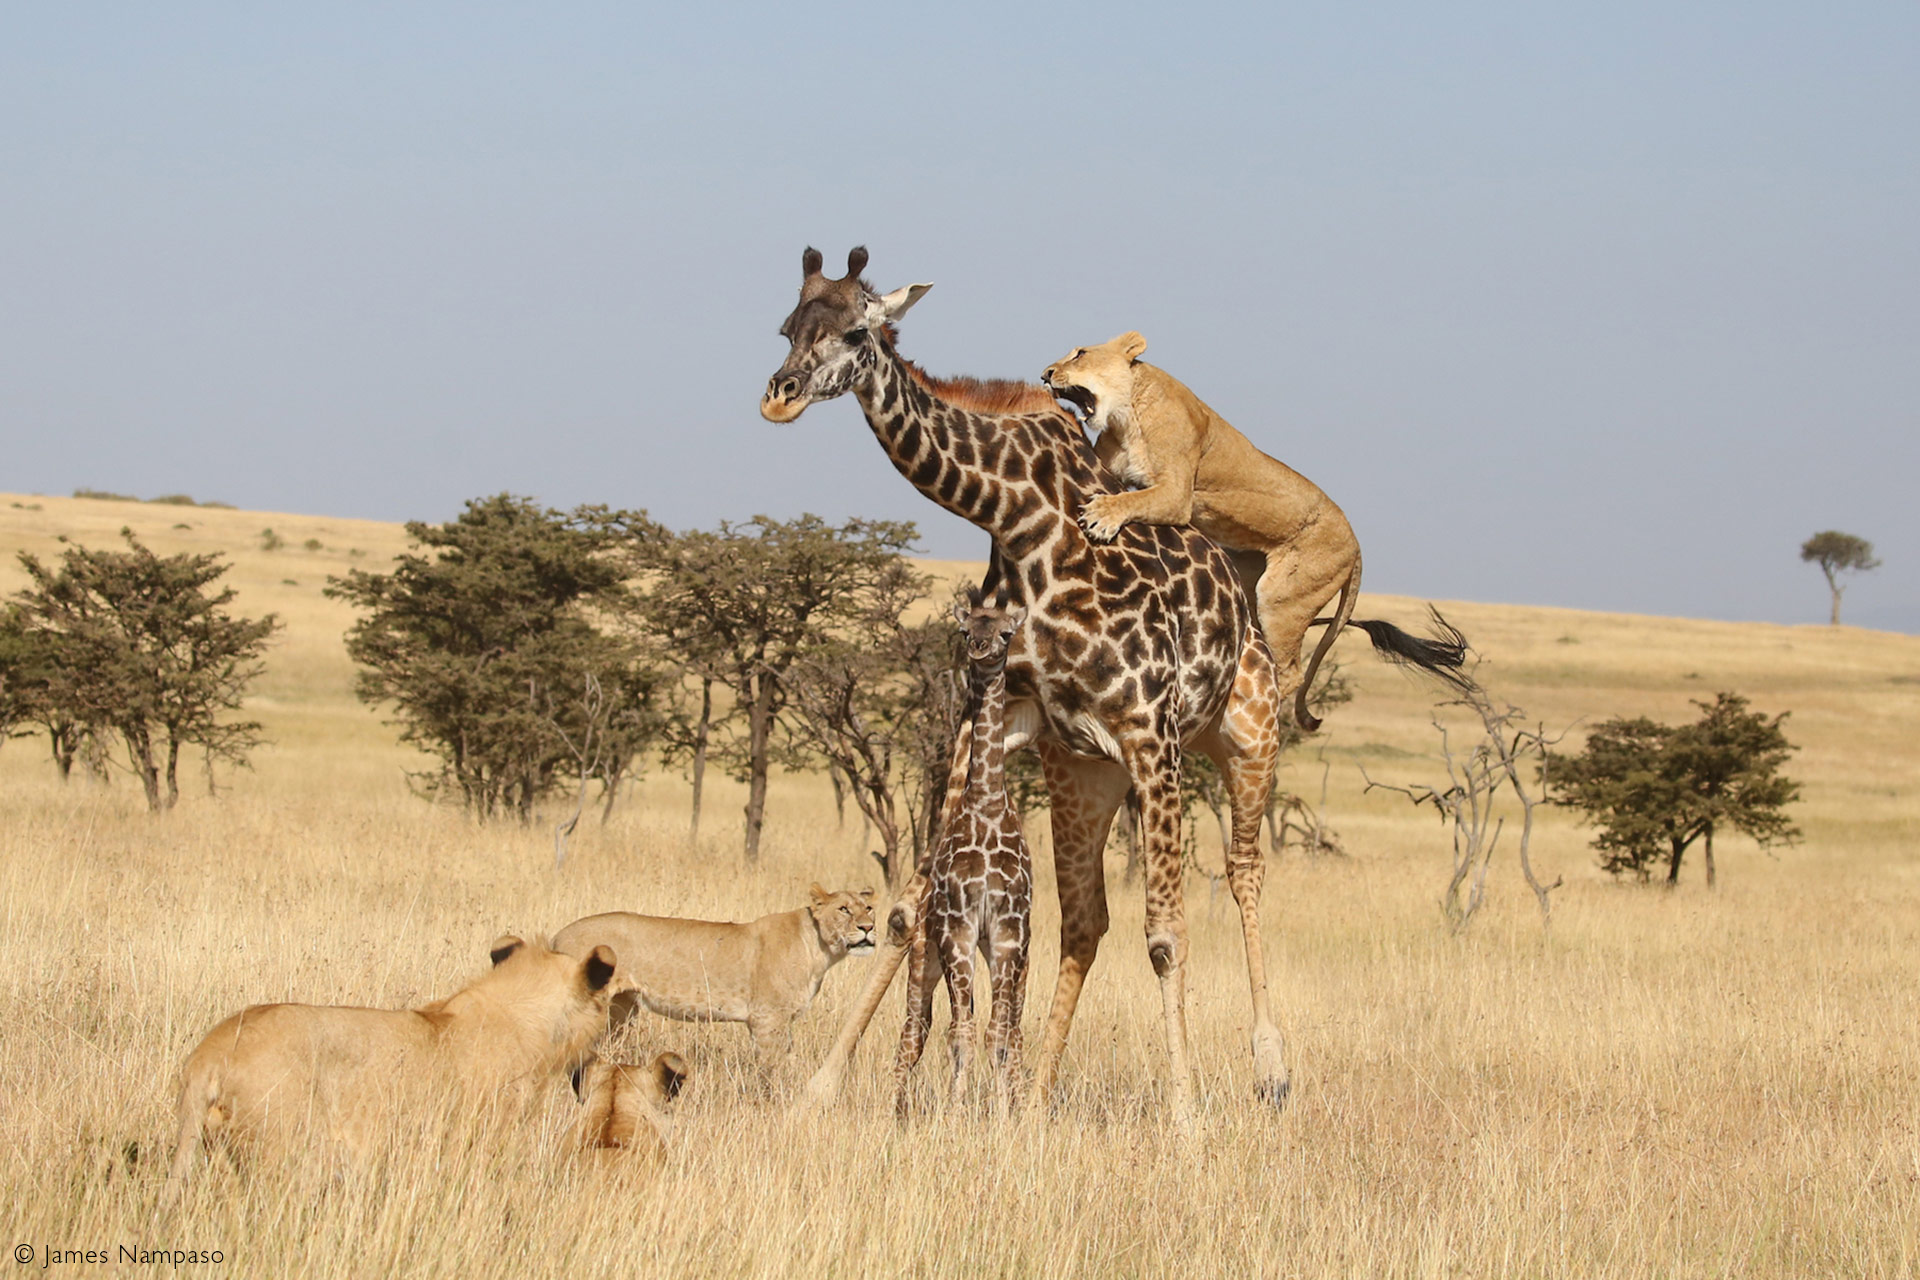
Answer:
(670, 1075)
(819, 895)
(504, 946)
(598, 970)
(1132, 345)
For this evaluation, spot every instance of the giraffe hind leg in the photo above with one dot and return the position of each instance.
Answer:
(1157, 780)
(1082, 795)
(1247, 753)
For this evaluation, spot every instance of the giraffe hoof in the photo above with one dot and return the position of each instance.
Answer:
(1275, 1092)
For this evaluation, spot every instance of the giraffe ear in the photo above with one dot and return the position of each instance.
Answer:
(960, 612)
(1016, 616)
(890, 307)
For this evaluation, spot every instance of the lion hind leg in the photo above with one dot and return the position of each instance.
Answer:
(201, 1118)
(1291, 592)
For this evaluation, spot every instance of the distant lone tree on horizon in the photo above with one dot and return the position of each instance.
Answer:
(1837, 553)
(135, 645)
(1654, 789)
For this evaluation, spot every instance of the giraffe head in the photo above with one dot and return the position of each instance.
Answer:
(988, 628)
(832, 335)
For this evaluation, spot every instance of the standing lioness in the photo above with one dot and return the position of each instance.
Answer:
(763, 973)
(276, 1075)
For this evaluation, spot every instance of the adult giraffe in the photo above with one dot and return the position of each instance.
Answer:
(1132, 650)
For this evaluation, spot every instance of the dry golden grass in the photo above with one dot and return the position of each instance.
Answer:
(1672, 1084)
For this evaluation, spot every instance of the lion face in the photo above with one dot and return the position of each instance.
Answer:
(1096, 380)
(844, 920)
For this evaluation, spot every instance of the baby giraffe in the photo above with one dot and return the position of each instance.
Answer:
(980, 891)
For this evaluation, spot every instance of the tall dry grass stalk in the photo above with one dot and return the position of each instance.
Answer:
(1670, 1084)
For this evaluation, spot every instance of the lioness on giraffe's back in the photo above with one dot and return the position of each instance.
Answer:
(763, 972)
(1195, 468)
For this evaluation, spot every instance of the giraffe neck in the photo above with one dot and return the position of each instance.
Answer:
(1016, 485)
(986, 770)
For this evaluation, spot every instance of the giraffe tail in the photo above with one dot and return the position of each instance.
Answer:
(1442, 654)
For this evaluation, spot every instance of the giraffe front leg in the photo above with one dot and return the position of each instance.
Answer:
(921, 977)
(1083, 795)
(1008, 974)
(956, 957)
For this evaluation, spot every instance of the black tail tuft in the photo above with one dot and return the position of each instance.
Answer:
(1444, 655)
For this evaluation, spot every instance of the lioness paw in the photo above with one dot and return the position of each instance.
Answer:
(1099, 518)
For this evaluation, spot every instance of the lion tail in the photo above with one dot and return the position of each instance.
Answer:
(1349, 596)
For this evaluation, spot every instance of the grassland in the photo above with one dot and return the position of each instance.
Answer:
(1669, 1084)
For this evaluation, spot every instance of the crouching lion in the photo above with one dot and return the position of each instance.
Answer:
(275, 1074)
(1195, 468)
(764, 973)
(625, 1107)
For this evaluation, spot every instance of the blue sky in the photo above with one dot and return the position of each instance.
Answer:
(1608, 306)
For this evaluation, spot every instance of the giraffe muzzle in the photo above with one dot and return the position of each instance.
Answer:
(783, 401)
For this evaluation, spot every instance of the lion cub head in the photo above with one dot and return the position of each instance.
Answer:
(844, 920)
(1097, 380)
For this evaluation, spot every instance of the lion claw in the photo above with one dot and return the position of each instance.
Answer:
(1098, 527)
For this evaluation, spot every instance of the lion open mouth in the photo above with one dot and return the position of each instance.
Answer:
(1079, 397)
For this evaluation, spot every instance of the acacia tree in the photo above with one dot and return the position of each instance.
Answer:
(1653, 790)
(883, 711)
(1838, 553)
(25, 669)
(133, 644)
(762, 596)
(675, 622)
(487, 648)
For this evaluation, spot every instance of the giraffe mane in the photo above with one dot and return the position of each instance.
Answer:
(981, 395)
